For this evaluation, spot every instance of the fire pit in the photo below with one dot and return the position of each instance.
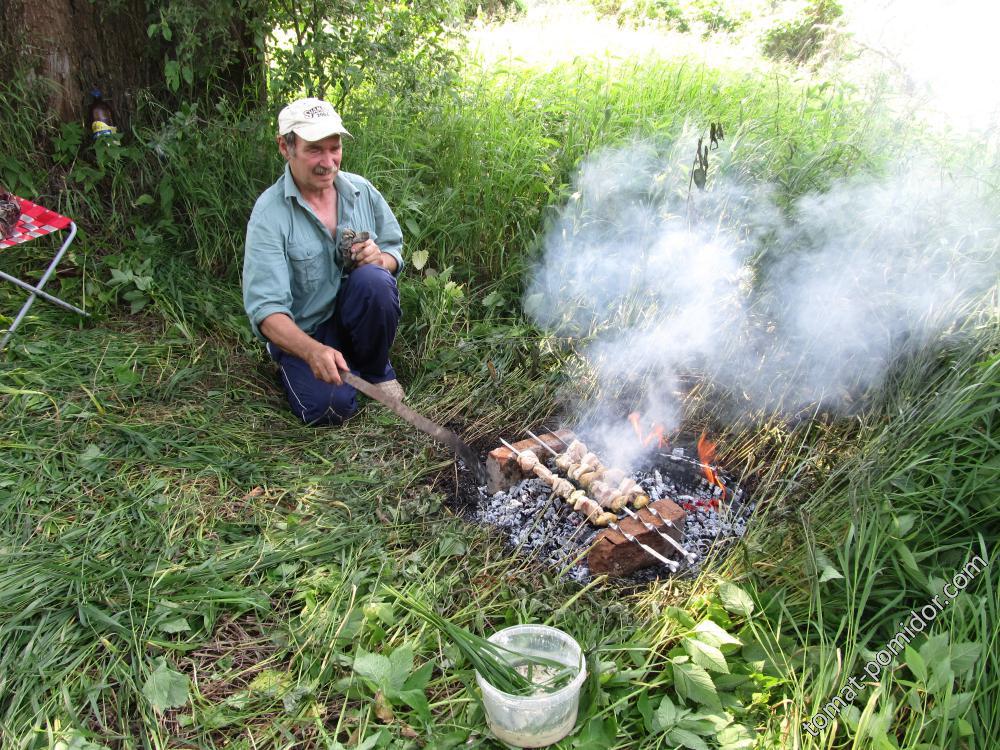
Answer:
(553, 498)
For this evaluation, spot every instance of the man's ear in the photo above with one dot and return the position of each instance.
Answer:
(282, 146)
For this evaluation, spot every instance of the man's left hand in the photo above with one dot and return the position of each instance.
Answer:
(368, 252)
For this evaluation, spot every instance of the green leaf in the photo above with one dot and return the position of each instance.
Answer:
(597, 734)
(916, 663)
(373, 667)
(735, 737)
(413, 228)
(964, 656)
(92, 458)
(693, 683)
(419, 259)
(165, 687)
(646, 710)
(680, 616)
(666, 715)
(935, 648)
(451, 545)
(685, 738)
(493, 299)
(904, 523)
(177, 625)
(416, 700)
(942, 677)
(705, 655)
(735, 599)
(400, 666)
(711, 633)
(826, 570)
(172, 72)
(419, 679)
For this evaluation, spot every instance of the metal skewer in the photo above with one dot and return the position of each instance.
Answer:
(690, 557)
(651, 509)
(672, 564)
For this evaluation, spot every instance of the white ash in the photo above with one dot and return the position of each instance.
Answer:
(537, 524)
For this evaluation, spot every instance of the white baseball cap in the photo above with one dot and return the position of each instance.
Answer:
(312, 119)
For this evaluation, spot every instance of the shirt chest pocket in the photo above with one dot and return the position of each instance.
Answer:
(308, 261)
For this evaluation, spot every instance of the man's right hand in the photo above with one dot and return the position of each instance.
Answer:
(326, 363)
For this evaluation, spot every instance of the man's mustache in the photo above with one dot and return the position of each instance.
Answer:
(321, 171)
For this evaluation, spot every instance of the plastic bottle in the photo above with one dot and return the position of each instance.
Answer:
(102, 119)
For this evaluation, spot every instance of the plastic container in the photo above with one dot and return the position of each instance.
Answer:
(538, 720)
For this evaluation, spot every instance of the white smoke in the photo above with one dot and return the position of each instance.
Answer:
(946, 51)
(782, 308)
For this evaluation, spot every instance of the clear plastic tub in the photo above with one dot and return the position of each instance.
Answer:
(538, 720)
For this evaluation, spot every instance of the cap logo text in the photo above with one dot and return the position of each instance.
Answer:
(315, 112)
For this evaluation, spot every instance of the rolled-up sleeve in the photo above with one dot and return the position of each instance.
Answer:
(266, 286)
(390, 236)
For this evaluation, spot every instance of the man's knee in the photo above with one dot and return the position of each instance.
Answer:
(322, 404)
(373, 284)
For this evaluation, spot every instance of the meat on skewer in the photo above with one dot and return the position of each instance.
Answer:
(601, 491)
(582, 503)
(611, 487)
(563, 488)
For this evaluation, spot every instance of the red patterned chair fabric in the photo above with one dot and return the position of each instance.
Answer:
(35, 221)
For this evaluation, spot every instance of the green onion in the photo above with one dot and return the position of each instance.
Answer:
(497, 664)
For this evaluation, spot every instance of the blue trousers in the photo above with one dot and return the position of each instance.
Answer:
(362, 327)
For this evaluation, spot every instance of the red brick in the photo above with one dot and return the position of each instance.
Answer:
(501, 464)
(615, 555)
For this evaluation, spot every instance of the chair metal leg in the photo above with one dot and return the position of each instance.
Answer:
(44, 295)
(36, 291)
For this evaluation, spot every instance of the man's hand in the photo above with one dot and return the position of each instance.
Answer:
(326, 363)
(367, 252)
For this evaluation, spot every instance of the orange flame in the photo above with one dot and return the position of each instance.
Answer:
(706, 454)
(656, 434)
(634, 419)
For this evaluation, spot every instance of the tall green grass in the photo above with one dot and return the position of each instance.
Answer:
(168, 529)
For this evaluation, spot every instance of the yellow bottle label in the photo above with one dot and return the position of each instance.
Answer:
(102, 128)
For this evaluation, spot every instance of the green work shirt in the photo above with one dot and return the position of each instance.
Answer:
(291, 264)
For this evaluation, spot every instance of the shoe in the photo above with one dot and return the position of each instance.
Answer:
(392, 388)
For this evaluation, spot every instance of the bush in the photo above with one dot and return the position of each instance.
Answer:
(801, 38)
(711, 16)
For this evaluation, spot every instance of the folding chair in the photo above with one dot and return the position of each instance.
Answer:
(37, 221)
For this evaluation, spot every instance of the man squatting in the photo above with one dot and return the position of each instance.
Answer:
(317, 316)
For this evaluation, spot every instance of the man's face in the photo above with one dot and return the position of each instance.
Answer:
(314, 164)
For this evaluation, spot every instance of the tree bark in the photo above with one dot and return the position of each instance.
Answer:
(72, 46)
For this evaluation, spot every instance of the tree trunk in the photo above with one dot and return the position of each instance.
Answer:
(72, 46)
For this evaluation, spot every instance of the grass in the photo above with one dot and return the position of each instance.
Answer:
(181, 564)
